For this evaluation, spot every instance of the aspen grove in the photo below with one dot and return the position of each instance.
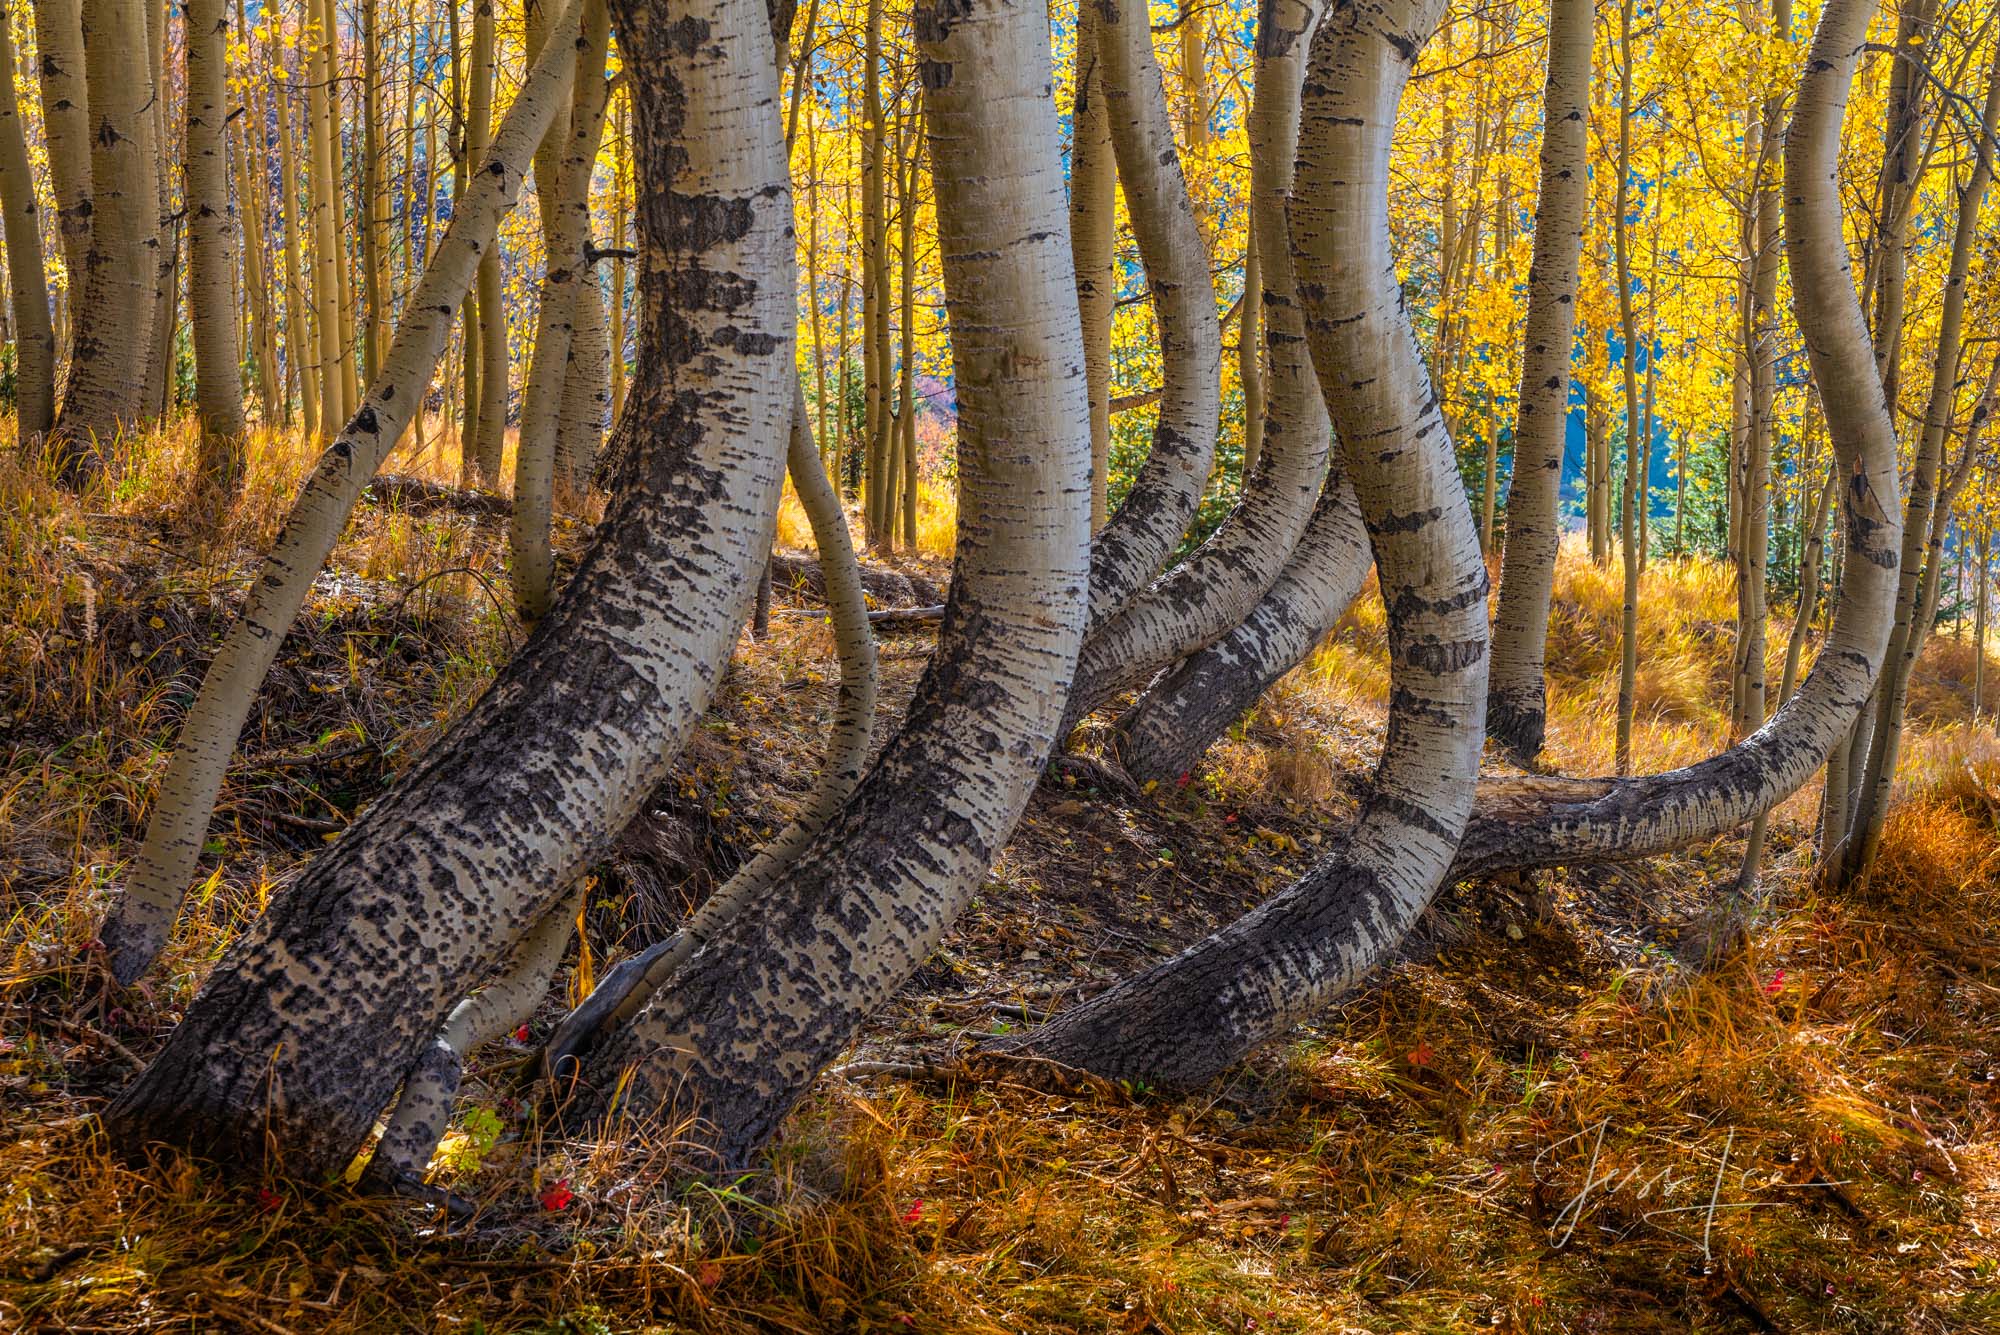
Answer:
(1017, 408)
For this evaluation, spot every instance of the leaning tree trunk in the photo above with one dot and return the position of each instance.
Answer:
(567, 228)
(1130, 549)
(737, 1035)
(1206, 595)
(1517, 699)
(212, 255)
(627, 987)
(112, 325)
(427, 892)
(1186, 708)
(1189, 1018)
(1545, 822)
(143, 915)
(34, 334)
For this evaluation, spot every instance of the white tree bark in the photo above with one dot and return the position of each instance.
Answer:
(1216, 587)
(567, 220)
(143, 914)
(739, 1033)
(1516, 703)
(212, 251)
(34, 331)
(1142, 533)
(1188, 1019)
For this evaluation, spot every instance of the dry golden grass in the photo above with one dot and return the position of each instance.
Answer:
(1506, 1134)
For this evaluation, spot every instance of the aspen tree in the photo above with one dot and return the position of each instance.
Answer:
(738, 1034)
(1927, 512)
(324, 204)
(654, 607)
(1628, 330)
(297, 334)
(110, 349)
(489, 440)
(374, 195)
(1516, 701)
(212, 238)
(60, 65)
(1190, 1017)
(27, 288)
(1547, 821)
(1203, 597)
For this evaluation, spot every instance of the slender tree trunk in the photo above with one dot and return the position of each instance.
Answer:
(324, 196)
(141, 918)
(1188, 1019)
(1628, 330)
(1147, 526)
(1205, 596)
(374, 195)
(1543, 822)
(739, 1033)
(1896, 186)
(490, 439)
(212, 254)
(61, 64)
(27, 288)
(105, 391)
(874, 286)
(619, 192)
(295, 287)
(1516, 701)
(566, 222)
(906, 409)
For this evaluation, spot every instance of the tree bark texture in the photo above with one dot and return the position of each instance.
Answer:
(1210, 592)
(1135, 543)
(1188, 1019)
(737, 1035)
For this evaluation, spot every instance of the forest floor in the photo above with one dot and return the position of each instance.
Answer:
(1538, 1120)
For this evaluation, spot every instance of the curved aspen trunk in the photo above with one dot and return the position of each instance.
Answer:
(1928, 512)
(111, 332)
(567, 221)
(34, 331)
(143, 915)
(1181, 714)
(1206, 595)
(1135, 543)
(212, 254)
(738, 1034)
(60, 64)
(627, 987)
(1093, 245)
(308, 1023)
(1545, 822)
(1190, 1018)
(1517, 700)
